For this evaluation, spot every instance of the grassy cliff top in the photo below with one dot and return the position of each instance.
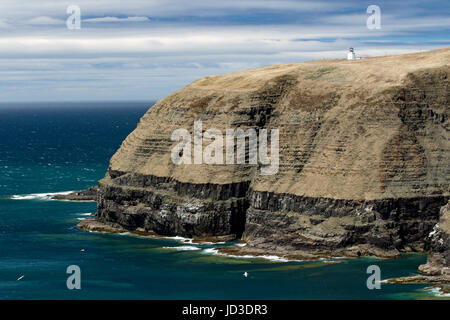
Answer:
(364, 129)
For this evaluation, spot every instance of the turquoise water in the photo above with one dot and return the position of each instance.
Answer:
(61, 147)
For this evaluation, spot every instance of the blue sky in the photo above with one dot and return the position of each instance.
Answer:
(146, 49)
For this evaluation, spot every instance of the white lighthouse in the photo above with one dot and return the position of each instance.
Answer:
(351, 54)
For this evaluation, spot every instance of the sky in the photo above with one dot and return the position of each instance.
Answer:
(147, 49)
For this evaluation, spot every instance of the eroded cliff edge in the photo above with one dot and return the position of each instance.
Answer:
(438, 263)
(437, 267)
(364, 159)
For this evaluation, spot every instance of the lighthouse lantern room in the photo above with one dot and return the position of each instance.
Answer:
(351, 54)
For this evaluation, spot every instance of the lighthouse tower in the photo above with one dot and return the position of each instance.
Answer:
(351, 54)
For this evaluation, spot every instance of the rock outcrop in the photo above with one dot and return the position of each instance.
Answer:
(363, 159)
(437, 268)
(438, 263)
(81, 195)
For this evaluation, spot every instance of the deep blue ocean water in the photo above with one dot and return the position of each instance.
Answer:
(60, 147)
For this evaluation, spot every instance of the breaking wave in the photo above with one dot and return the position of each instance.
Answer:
(183, 248)
(248, 256)
(39, 196)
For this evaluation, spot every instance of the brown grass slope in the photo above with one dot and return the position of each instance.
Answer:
(367, 129)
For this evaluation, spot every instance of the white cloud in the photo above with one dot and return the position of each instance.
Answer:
(40, 59)
(116, 19)
(4, 25)
(164, 8)
(175, 42)
(43, 20)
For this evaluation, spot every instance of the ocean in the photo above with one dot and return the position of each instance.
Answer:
(59, 147)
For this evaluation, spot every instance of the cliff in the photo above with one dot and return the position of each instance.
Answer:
(437, 268)
(363, 159)
(438, 263)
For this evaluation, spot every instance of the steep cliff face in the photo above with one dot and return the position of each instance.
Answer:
(438, 263)
(363, 158)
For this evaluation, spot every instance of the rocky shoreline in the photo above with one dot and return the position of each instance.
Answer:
(435, 271)
(93, 225)
(420, 279)
(266, 221)
(88, 195)
(307, 253)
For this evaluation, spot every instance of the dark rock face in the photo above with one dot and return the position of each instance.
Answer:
(266, 220)
(171, 208)
(439, 245)
(277, 222)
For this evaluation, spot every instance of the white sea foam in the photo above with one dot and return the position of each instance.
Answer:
(191, 241)
(438, 292)
(211, 250)
(248, 256)
(180, 239)
(208, 243)
(85, 214)
(39, 196)
(183, 248)
(277, 258)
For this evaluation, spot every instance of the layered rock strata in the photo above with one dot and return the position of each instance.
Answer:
(363, 159)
